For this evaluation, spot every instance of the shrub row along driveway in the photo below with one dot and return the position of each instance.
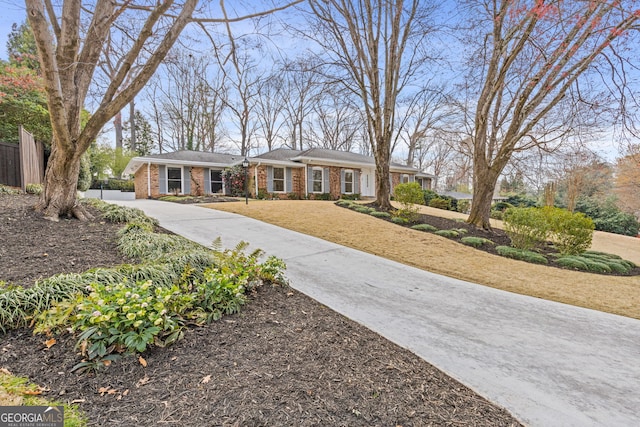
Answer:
(548, 363)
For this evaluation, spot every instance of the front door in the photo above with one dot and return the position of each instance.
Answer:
(367, 183)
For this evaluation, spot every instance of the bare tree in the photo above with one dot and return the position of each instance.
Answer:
(377, 46)
(335, 120)
(191, 100)
(424, 114)
(534, 52)
(301, 84)
(270, 105)
(69, 57)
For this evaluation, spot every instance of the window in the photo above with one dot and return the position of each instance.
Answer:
(405, 178)
(278, 180)
(316, 175)
(216, 181)
(174, 180)
(348, 182)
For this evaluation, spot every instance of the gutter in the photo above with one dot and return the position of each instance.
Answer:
(255, 180)
(148, 180)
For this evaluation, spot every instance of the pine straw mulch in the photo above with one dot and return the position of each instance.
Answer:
(285, 360)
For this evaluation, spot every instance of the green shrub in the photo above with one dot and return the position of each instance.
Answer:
(521, 201)
(125, 185)
(424, 227)
(428, 195)
(262, 194)
(234, 180)
(124, 214)
(571, 233)
(122, 316)
(501, 206)
(293, 196)
(440, 203)
(34, 189)
(344, 203)
(448, 233)
(526, 227)
(409, 195)
(576, 263)
(378, 214)
(464, 206)
(399, 220)
(8, 190)
(322, 196)
(363, 209)
(608, 217)
(596, 266)
(84, 175)
(521, 254)
(354, 196)
(476, 242)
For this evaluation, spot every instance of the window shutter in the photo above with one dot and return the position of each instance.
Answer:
(356, 182)
(325, 187)
(207, 181)
(186, 180)
(162, 179)
(342, 186)
(412, 178)
(309, 179)
(269, 179)
(288, 185)
(390, 183)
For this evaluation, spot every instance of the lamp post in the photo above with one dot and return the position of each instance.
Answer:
(245, 165)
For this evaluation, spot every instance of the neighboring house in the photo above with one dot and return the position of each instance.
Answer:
(281, 173)
(468, 196)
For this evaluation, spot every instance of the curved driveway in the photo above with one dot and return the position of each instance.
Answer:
(549, 364)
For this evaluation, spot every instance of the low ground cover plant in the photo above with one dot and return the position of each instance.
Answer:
(126, 309)
(530, 230)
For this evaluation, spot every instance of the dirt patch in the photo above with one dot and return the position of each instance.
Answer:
(612, 294)
(34, 248)
(285, 360)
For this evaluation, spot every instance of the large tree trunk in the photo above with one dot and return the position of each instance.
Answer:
(59, 197)
(383, 188)
(484, 184)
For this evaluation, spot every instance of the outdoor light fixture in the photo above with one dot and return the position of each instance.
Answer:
(245, 165)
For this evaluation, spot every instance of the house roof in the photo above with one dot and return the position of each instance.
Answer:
(344, 158)
(186, 158)
(279, 156)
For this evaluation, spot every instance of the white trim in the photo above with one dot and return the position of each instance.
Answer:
(169, 191)
(149, 180)
(255, 173)
(284, 179)
(321, 169)
(353, 181)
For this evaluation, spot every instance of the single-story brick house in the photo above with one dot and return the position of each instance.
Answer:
(279, 173)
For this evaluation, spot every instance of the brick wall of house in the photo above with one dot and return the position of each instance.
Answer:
(141, 182)
(297, 181)
(395, 180)
(262, 180)
(197, 181)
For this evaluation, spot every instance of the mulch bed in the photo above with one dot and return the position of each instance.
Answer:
(285, 360)
(497, 236)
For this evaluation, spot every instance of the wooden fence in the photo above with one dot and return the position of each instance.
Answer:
(23, 163)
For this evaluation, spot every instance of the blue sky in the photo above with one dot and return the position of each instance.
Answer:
(10, 12)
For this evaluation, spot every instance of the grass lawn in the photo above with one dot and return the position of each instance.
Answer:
(612, 294)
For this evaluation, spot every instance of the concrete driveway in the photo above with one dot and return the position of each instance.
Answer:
(549, 364)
